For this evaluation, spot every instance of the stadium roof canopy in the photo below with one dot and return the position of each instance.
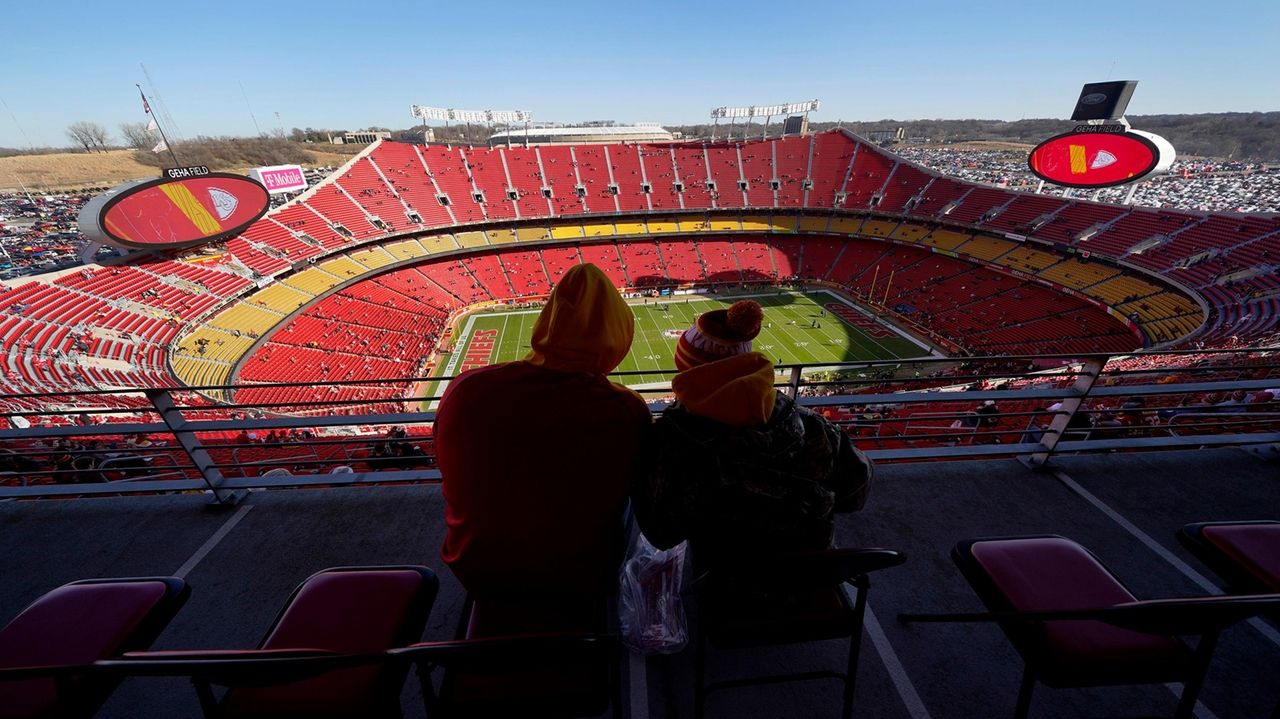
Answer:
(609, 133)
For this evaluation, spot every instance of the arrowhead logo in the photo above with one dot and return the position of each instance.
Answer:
(1101, 160)
(225, 203)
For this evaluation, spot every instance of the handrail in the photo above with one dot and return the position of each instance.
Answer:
(1038, 414)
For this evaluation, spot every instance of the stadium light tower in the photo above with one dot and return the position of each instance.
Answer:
(768, 112)
(488, 117)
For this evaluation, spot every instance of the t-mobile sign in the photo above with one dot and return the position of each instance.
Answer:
(280, 178)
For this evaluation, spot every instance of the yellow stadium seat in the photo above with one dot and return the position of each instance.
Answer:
(501, 237)
(1028, 259)
(439, 243)
(877, 228)
(694, 224)
(782, 224)
(626, 228)
(985, 248)
(845, 225)
(472, 239)
(1077, 275)
(909, 233)
(726, 224)
(343, 267)
(532, 234)
(406, 250)
(570, 232)
(813, 224)
(662, 225)
(373, 258)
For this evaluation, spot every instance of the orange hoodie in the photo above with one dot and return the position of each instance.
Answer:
(537, 455)
(736, 391)
(585, 327)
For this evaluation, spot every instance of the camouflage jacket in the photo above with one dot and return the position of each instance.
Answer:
(748, 489)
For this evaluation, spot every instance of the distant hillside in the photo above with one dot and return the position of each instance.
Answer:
(1235, 135)
(57, 171)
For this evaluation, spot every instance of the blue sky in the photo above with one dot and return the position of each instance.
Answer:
(323, 64)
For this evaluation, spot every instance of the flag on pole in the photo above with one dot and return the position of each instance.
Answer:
(160, 146)
(146, 107)
(152, 125)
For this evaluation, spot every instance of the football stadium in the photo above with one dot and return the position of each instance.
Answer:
(223, 486)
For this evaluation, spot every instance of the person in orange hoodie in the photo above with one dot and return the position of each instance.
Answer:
(537, 455)
(734, 466)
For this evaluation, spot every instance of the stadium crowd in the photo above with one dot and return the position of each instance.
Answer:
(1201, 185)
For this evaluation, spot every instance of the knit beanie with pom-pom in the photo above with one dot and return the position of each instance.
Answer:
(719, 334)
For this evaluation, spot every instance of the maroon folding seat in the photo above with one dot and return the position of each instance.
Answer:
(76, 625)
(526, 656)
(785, 599)
(345, 617)
(1076, 625)
(1245, 554)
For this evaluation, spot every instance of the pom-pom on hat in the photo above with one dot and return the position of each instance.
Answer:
(719, 334)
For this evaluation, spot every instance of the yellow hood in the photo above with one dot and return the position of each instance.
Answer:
(585, 326)
(737, 390)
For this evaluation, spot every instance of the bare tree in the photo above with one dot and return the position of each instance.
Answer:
(90, 135)
(101, 137)
(137, 136)
(79, 134)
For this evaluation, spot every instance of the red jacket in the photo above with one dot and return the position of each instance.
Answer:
(538, 455)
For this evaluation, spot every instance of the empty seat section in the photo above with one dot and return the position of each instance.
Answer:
(563, 179)
(644, 264)
(691, 160)
(448, 167)
(985, 247)
(681, 260)
(726, 173)
(757, 168)
(490, 178)
(605, 256)
(525, 272)
(364, 185)
(1028, 259)
(627, 175)
(870, 170)
(976, 203)
(820, 254)
(341, 208)
(937, 196)
(1025, 209)
(791, 169)
(402, 164)
(1133, 228)
(521, 165)
(831, 156)
(595, 171)
(457, 280)
(558, 260)
(906, 183)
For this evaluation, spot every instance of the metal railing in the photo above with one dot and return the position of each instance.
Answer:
(172, 440)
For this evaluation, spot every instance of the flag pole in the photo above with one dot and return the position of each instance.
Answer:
(164, 139)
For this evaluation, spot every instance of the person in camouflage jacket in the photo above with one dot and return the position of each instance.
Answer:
(736, 467)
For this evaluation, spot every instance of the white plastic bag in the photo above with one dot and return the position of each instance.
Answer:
(650, 608)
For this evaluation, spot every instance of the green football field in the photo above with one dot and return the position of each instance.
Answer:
(811, 328)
